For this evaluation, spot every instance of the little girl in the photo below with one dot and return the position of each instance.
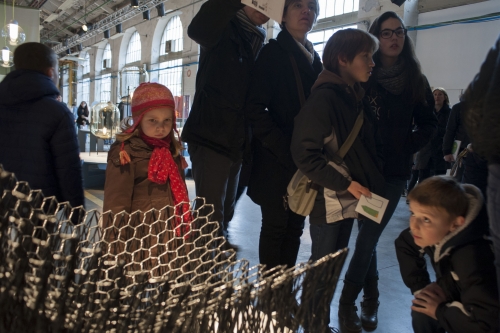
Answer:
(145, 171)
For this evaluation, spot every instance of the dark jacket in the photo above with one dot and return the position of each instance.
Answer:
(463, 262)
(482, 109)
(216, 119)
(455, 130)
(38, 137)
(272, 104)
(82, 113)
(396, 114)
(431, 156)
(332, 109)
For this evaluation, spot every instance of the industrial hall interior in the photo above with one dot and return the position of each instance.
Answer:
(249, 166)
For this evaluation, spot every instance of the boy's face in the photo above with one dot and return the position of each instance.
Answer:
(360, 69)
(158, 122)
(429, 225)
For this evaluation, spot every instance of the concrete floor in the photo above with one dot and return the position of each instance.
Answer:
(395, 298)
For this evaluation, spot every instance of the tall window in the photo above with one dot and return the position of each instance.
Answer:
(172, 35)
(170, 75)
(86, 64)
(106, 88)
(130, 80)
(85, 91)
(107, 55)
(330, 8)
(319, 38)
(133, 49)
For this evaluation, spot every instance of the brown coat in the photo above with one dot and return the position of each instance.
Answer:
(128, 190)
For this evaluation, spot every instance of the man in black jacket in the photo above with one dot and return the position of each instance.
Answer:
(230, 39)
(455, 130)
(37, 132)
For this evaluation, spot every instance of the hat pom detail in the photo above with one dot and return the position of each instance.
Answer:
(124, 156)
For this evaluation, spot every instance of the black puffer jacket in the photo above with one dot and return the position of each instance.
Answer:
(463, 262)
(482, 109)
(455, 130)
(396, 115)
(332, 109)
(38, 136)
(434, 149)
(216, 120)
(272, 104)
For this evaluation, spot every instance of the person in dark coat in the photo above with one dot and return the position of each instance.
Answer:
(449, 223)
(329, 115)
(430, 158)
(455, 130)
(82, 114)
(482, 119)
(230, 37)
(37, 132)
(272, 105)
(400, 96)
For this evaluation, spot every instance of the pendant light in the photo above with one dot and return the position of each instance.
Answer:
(7, 58)
(13, 32)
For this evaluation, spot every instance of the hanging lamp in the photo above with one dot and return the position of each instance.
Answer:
(13, 32)
(7, 57)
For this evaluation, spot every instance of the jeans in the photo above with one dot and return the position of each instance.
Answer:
(326, 239)
(363, 265)
(215, 179)
(280, 234)
(422, 323)
(493, 206)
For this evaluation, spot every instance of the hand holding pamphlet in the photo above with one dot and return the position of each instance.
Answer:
(271, 8)
(372, 208)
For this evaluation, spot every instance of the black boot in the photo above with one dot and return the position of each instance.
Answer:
(369, 305)
(348, 317)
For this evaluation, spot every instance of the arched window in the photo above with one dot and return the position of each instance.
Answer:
(329, 8)
(170, 75)
(106, 57)
(86, 64)
(133, 49)
(172, 35)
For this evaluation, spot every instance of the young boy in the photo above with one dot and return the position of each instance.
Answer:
(448, 223)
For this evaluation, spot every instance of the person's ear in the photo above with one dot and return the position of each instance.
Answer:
(457, 222)
(343, 61)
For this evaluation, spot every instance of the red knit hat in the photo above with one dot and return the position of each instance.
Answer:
(147, 97)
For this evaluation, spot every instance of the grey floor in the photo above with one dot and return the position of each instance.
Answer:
(395, 298)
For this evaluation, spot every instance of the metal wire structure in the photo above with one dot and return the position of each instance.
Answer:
(63, 270)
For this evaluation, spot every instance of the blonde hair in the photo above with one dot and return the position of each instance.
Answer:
(446, 99)
(175, 146)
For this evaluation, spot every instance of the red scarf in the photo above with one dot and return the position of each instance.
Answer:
(163, 167)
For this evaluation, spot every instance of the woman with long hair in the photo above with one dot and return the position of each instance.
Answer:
(399, 95)
(284, 64)
(82, 114)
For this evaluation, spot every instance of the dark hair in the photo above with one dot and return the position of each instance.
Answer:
(34, 56)
(347, 44)
(416, 87)
(288, 3)
(441, 192)
(446, 98)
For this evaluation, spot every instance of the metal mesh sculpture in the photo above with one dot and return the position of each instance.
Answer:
(60, 273)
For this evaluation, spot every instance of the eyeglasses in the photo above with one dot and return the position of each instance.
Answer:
(387, 33)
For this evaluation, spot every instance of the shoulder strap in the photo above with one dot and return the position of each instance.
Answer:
(298, 80)
(338, 156)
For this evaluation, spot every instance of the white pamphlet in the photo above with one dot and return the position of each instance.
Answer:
(373, 208)
(448, 172)
(271, 8)
(455, 149)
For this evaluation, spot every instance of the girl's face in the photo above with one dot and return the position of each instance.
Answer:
(83, 104)
(438, 97)
(158, 122)
(300, 16)
(392, 46)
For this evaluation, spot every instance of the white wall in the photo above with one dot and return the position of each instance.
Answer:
(451, 56)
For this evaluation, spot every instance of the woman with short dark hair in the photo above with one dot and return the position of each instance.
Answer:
(272, 105)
